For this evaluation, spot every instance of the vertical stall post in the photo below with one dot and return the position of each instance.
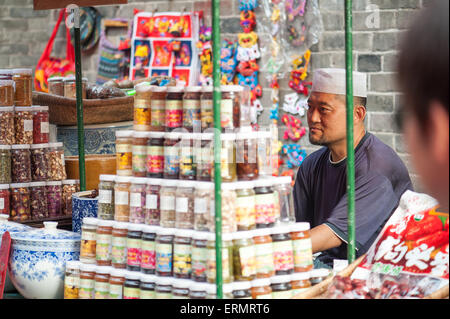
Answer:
(217, 143)
(350, 148)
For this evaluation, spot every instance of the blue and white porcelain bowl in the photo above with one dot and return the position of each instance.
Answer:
(38, 259)
(83, 206)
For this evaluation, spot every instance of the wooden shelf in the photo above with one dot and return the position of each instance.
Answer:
(64, 222)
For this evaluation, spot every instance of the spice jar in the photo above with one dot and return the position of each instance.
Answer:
(155, 155)
(38, 205)
(184, 205)
(264, 259)
(137, 200)
(191, 109)
(121, 198)
(319, 275)
(264, 203)
(116, 282)
(227, 258)
(281, 287)
(242, 290)
(261, 289)
(20, 202)
(101, 278)
(72, 279)
(106, 197)
(245, 206)
(230, 106)
(204, 157)
(164, 252)
(285, 197)
(69, 187)
(104, 242)
(163, 288)
(124, 154)
(39, 165)
(139, 151)
(56, 162)
(70, 88)
(87, 281)
(54, 198)
(211, 291)
(302, 247)
(300, 282)
(199, 256)
(152, 202)
(228, 208)
(23, 125)
(5, 164)
(283, 256)
(134, 247)
(131, 286)
(198, 290)
(203, 200)
(7, 130)
(171, 155)
(23, 84)
(167, 203)
(147, 286)
(119, 236)
(246, 155)
(148, 249)
(228, 157)
(6, 92)
(188, 166)
(41, 125)
(264, 153)
(158, 106)
(182, 254)
(246, 107)
(4, 199)
(227, 290)
(244, 261)
(88, 240)
(20, 164)
(6, 74)
(142, 107)
(207, 108)
(174, 108)
(180, 288)
(56, 85)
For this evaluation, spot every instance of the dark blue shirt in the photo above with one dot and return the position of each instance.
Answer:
(320, 193)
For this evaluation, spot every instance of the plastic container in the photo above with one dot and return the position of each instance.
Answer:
(131, 286)
(56, 162)
(147, 286)
(101, 278)
(247, 155)
(87, 281)
(167, 203)
(245, 206)
(261, 289)
(184, 205)
(182, 254)
(134, 247)
(20, 164)
(284, 194)
(56, 85)
(142, 107)
(70, 89)
(155, 155)
(23, 83)
(228, 157)
(203, 202)
(72, 279)
(122, 198)
(88, 240)
(230, 107)
(163, 287)
(198, 291)
(137, 200)
(148, 248)
(7, 129)
(23, 125)
(54, 198)
(5, 164)
(152, 202)
(204, 157)
(41, 124)
(5, 199)
(192, 109)
(171, 155)
(244, 261)
(281, 287)
(227, 258)
(103, 247)
(188, 165)
(264, 258)
(242, 290)
(302, 247)
(264, 203)
(69, 187)
(164, 252)
(39, 164)
(300, 282)
(158, 106)
(264, 153)
(139, 150)
(119, 236)
(124, 154)
(174, 108)
(20, 201)
(282, 250)
(199, 256)
(207, 108)
(6, 92)
(228, 208)
(38, 205)
(116, 282)
(180, 288)
(106, 197)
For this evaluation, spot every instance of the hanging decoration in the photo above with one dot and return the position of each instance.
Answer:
(228, 62)
(204, 45)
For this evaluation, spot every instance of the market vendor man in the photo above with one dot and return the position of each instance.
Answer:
(320, 189)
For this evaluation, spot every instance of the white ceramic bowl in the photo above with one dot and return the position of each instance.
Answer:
(38, 259)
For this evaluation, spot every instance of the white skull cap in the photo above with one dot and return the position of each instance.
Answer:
(333, 81)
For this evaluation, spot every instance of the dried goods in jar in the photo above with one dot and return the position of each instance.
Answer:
(204, 157)
(124, 154)
(246, 155)
(56, 85)
(41, 125)
(6, 92)
(148, 247)
(199, 256)
(101, 278)
(174, 108)
(122, 198)
(106, 197)
(7, 130)
(134, 247)
(23, 87)
(119, 235)
(302, 247)
(172, 155)
(38, 205)
(69, 187)
(264, 203)
(72, 279)
(103, 246)
(5, 164)
(139, 151)
(264, 259)
(152, 202)
(155, 155)
(203, 199)
(70, 89)
(131, 286)
(56, 162)
(184, 205)
(137, 200)
(227, 258)
(182, 254)
(265, 153)
(245, 206)
(87, 281)
(207, 108)
(230, 107)
(244, 261)
(88, 240)
(191, 109)
(158, 106)
(39, 168)
(54, 198)
(164, 252)
(20, 201)
(167, 203)
(23, 125)
(142, 107)
(20, 164)
(5, 199)
(283, 255)
(188, 165)
(116, 282)
(228, 157)
(228, 209)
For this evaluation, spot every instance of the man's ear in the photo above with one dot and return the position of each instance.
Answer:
(438, 133)
(359, 114)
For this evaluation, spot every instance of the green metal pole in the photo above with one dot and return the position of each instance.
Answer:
(350, 147)
(80, 124)
(217, 96)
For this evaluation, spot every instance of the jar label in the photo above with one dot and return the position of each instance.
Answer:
(115, 291)
(142, 115)
(167, 203)
(134, 252)
(200, 206)
(86, 289)
(88, 246)
(164, 257)
(265, 296)
(182, 204)
(282, 255)
(139, 150)
(182, 259)
(199, 258)
(211, 264)
(2, 203)
(245, 211)
(155, 164)
(123, 148)
(104, 196)
(163, 295)
(141, 104)
(131, 293)
(72, 281)
(135, 200)
(121, 198)
(103, 248)
(302, 252)
(226, 113)
(265, 208)
(191, 104)
(174, 113)
(45, 128)
(119, 250)
(101, 290)
(155, 150)
(264, 258)
(171, 160)
(28, 125)
(151, 201)
(247, 258)
(158, 104)
(147, 294)
(148, 260)
(158, 117)
(286, 294)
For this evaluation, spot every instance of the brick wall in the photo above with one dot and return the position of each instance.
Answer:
(24, 33)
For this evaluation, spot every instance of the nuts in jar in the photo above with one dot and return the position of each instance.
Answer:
(152, 202)
(230, 106)
(69, 187)
(122, 198)
(56, 162)
(167, 203)
(207, 109)
(174, 108)
(171, 155)
(38, 206)
(142, 107)
(106, 197)
(39, 169)
(20, 164)
(23, 87)
(139, 151)
(203, 200)
(184, 205)
(56, 85)
(5, 164)
(158, 106)
(137, 200)
(7, 130)
(5, 200)
(23, 125)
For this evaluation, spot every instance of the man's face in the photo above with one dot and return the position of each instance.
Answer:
(326, 118)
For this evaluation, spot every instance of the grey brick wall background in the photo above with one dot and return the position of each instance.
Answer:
(24, 34)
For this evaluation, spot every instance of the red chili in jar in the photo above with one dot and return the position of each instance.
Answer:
(41, 125)
(4, 199)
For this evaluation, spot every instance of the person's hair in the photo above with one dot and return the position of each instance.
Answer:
(357, 100)
(423, 62)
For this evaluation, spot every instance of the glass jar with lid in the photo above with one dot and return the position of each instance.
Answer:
(264, 153)
(203, 200)
(20, 201)
(184, 205)
(192, 109)
(56, 162)
(88, 240)
(6, 74)
(142, 107)
(23, 125)
(122, 198)
(244, 262)
(116, 282)
(138, 194)
(103, 246)
(228, 157)
(246, 154)
(106, 197)
(119, 237)
(302, 247)
(124, 154)
(281, 287)
(5, 164)
(246, 107)
(180, 288)
(54, 198)
(56, 85)
(72, 279)
(163, 287)
(300, 282)
(319, 275)
(134, 247)
(148, 249)
(70, 89)
(204, 157)
(264, 258)
(41, 124)
(174, 108)
(101, 278)
(38, 205)
(152, 202)
(227, 290)
(158, 106)
(283, 255)
(230, 106)
(155, 155)
(147, 286)
(164, 251)
(242, 290)
(23, 83)
(87, 281)
(167, 203)
(285, 199)
(131, 286)
(39, 165)
(207, 108)
(227, 258)
(139, 151)
(211, 291)
(182, 254)
(69, 187)
(199, 256)
(198, 290)
(188, 166)
(228, 208)
(264, 203)
(5, 200)
(7, 130)
(245, 206)
(6, 92)
(261, 289)
(171, 155)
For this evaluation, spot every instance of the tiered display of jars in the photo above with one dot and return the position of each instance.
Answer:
(32, 170)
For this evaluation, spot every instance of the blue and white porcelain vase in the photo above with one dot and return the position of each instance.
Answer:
(38, 259)
(83, 206)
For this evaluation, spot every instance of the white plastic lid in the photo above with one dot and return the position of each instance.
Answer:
(243, 234)
(200, 235)
(123, 179)
(228, 186)
(241, 285)
(56, 145)
(37, 184)
(207, 88)
(231, 88)
(193, 89)
(300, 275)
(172, 135)
(105, 223)
(118, 272)
(139, 180)
(70, 181)
(169, 183)
(260, 282)
(154, 181)
(227, 136)
(135, 227)
(181, 283)
(156, 134)
(211, 289)
(227, 288)
(164, 281)
(166, 231)
(183, 233)
(90, 221)
(246, 135)
(6, 71)
(55, 78)
(37, 146)
(120, 225)
(73, 264)
(20, 185)
(124, 133)
(143, 86)
(104, 269)
(264, 134)
(6, 186)
(262, 232)
(148, 278)
(245, 185)
(303, 226)
(139, 134)
(150, 229)
(6, 108)
(263, 182)
(199, 286)
(227, 236)
(22, 71)
(282, 180)
(88, 267)
(321, 272)
(171, 89)
(133, 275)
(186, 184)
(284, 229)
(280, 279)
(205, 185)
(159, 88)
(107, 178)
(39, 108)
(6, 82)
(207, 136)
(20, 147)
(5, 147)
(54, 183)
